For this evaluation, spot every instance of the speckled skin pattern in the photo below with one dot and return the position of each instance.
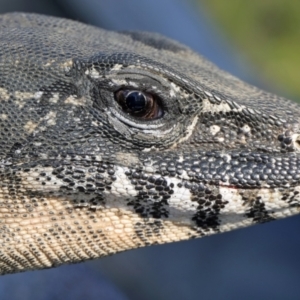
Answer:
(81, 178)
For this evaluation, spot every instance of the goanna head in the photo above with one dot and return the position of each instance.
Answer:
(117, 140)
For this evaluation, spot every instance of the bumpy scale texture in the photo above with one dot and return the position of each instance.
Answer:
(80, 178)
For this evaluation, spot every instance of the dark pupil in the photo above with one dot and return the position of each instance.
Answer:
(135, 101)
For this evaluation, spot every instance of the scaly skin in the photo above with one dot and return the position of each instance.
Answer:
(82, 176)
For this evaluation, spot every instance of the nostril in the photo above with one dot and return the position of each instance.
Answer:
(296, 141)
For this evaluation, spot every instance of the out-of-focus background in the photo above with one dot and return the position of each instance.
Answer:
(258, 41)
(267, 33)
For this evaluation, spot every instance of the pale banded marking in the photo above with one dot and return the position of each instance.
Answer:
(214, 129)
(24, 95)
(30, 182)
(174, 90)
(93, 73)
(4, 94)
(67, 64)
(50, 118)
(117, 67)
(246, 128)
(232, 216)
(181, 159)
(121, 189)
(54, 99)
(189, 131)
(74, 100)
(119, 82)
(49, 63)
(127, 159)
(279, 208)
(181, 206)
(30, 126)
(38, 95)
(208, 107)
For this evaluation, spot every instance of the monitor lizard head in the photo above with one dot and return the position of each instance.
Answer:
(116, 140)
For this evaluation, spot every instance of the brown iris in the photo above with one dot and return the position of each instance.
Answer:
(139, 104)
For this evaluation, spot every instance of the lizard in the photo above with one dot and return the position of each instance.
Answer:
(112, 141)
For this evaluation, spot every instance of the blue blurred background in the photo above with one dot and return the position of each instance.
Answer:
(261, 262)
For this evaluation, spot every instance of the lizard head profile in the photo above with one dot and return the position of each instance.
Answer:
(117, 140)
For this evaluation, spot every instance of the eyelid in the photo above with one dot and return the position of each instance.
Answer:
(136, 123)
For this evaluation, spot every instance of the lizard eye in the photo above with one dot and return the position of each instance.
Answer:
(139, 104)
